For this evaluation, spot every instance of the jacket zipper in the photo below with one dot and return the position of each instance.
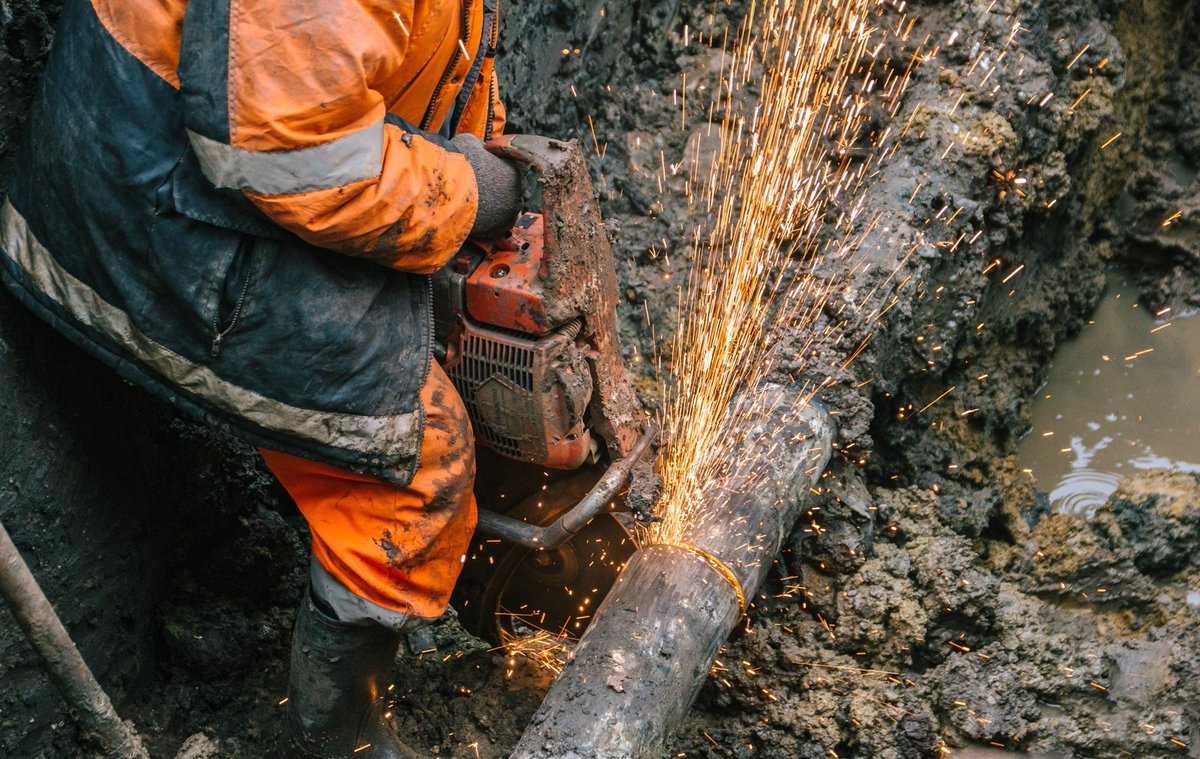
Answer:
(463, 38)
(491, 112)
(220, 334)
(429, 336)
(426, 367)
(493, 43)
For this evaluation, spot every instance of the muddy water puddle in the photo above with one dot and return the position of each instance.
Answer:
(1122, 396)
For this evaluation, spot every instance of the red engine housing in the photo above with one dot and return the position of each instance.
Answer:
(506, 289)
(526, 383)
(529, 323)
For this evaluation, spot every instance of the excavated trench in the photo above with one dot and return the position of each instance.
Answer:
(936, 601)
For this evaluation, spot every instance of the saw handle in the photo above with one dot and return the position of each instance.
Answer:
(542, 154)
(564, 528)
(544, 158)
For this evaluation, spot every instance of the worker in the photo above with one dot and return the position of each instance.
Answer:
(237, 206)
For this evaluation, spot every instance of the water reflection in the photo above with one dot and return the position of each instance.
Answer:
(1123, 396)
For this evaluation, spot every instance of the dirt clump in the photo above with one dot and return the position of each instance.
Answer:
(926, 648)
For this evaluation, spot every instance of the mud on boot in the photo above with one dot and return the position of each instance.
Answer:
(337, 689)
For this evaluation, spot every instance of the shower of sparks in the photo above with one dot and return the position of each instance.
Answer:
(781, 199)
(804, 104)
(546, 650)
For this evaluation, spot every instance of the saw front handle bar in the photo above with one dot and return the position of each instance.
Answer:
(565, 527)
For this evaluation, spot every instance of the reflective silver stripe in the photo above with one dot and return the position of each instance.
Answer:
(346, 160)
(393, 437)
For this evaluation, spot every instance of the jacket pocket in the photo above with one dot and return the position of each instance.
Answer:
(195, 197)
(234, 292)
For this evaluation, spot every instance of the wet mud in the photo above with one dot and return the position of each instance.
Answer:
(1121, 397)
(931, 604)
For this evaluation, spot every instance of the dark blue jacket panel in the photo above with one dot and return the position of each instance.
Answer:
(112, 233)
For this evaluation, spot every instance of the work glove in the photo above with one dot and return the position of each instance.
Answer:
(500, 191)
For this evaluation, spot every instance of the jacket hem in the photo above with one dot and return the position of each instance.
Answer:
(272, 424)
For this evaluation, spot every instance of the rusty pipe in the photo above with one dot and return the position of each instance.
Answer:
(566, 526)
(637, 669)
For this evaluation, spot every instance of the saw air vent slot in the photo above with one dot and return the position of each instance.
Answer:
(483, 360)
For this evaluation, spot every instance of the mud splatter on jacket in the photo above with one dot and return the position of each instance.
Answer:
(235, 202)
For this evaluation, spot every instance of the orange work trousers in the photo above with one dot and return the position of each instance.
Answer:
(400, 548)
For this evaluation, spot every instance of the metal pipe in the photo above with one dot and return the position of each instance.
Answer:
(90, 704)
(637, 669)
(565, 527)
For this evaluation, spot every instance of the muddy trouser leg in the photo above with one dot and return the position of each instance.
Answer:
(385, 558)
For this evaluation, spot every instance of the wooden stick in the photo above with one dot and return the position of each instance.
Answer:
(636, 671)
(90, 704)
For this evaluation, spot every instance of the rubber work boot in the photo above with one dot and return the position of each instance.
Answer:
(338, 689)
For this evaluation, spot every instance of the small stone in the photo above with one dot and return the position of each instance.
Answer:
(199, 746)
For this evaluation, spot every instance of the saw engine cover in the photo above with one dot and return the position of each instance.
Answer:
(528, 323)
(526, 387)
(527, 398)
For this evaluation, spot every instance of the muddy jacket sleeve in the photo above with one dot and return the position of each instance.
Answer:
(285, 100)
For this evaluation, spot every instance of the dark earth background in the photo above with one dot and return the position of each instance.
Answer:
(939, 605)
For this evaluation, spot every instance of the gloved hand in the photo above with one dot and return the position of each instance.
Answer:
(500, 189)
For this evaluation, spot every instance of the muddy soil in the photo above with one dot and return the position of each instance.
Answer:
(930, 603)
